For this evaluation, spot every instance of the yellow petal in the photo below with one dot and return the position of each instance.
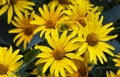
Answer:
(44, 55)
(10, 14)
(2, 2)
(53, 66)
(118, 72)
(2, 55)
(70, 63)
(92, 53)
(73, 56)
(55, 36)
(17, 30)
(52, 9)
(17, 11)
(18, 57)
(106, 38)
(50, 41)
(58, 11)
(47, 13)
(43, 13)
(105, 49)
(44, 49)
(82, 49)
(100, 53)
(47, 64)
(107, 45)
(107, 73)
(38, 19)
(63, 38)
(106, 32)
(3, 9)
(57, 70)
(27, 7)
(17, 36)
(15, 66)
(66, 66)
(41, 61)
(62, 71)
(15, 24)
(8, 54)
(20, 40)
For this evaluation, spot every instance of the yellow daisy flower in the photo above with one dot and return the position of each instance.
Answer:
(94, 40)
(117, 60)
(58, 56)
(112, 74)
(91, 15)
(24, 30)
(49, 19)
(77, 12)
(9, 63)
(15, 6)
(82, 67)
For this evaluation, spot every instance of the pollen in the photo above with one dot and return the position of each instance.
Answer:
(28, 31)
(3, 69)
(58, 54)
(12, 2)
(80, 67)
(50, 24)
(81, 20)
(92, 39)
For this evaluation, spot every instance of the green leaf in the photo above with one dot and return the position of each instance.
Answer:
(112, 15)
(115, 43)
(35, 40)
(3, 41)
(95, 72)
(40, 70)
(30, 55)
(6, 38)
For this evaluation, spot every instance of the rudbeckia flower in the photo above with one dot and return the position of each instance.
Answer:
(24, 30)
(94, 38)
(58, 56)
(9, 61)
(82, 67)
(16, 6)
(49, 19)
(77, 12)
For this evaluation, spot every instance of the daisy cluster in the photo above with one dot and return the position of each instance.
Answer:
(73, 32)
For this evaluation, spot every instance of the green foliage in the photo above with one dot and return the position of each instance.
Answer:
(30, 55)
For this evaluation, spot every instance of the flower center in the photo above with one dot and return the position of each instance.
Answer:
(3, 69)
(58, 54)
(50, 24)
(63, 1)
(92, 39)
(81, 20)
(28, 31)
(12, 2)
(81, 67)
